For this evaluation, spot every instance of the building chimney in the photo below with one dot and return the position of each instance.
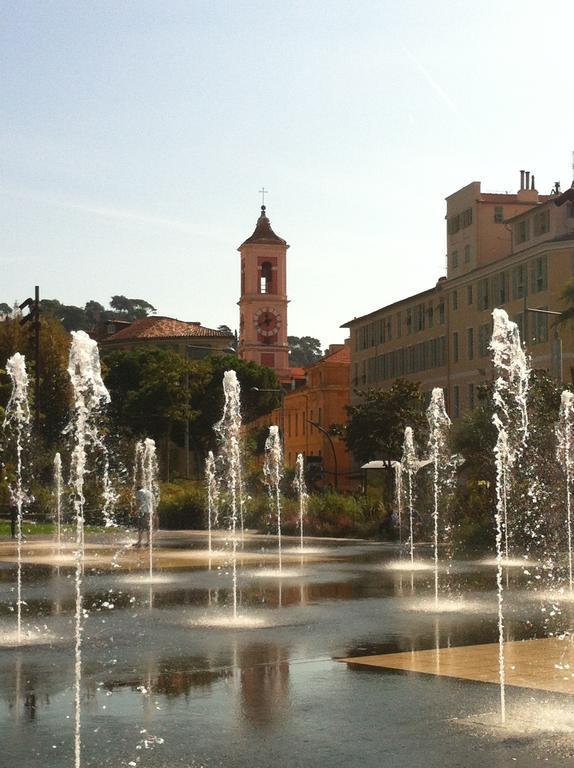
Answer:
(521, 179)
(532, 185)
(526, 179)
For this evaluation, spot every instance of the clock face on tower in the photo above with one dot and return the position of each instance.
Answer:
(267, 322)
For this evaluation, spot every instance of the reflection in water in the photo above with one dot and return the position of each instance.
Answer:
(171, 678)
(249, 680)
(264, 680)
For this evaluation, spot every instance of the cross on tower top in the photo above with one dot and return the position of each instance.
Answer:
(263, 192)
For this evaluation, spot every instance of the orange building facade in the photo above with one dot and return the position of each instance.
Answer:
(514, 251)
(307, 415)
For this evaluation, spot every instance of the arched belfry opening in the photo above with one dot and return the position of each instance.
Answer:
(266, 278)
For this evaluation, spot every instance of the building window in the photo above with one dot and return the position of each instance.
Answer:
(482, 299)
(539, 275)
(265, 277)
(470, 343)
(471, 396)
(498, 214)
(455, 299)
(499, 293)
(409, 321)
(519, 282)
(388, 329)
(522, 231)
(466, 218)
(484, 334)
(399, 325)
(541, 222)
(419, 314)
(466, 254)
(455, 347)
(441, 313)
(539, 324)
(453, 225)
(430, 314)
(454, 259)
(469, 295)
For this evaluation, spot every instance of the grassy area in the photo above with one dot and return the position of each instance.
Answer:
(46, 529)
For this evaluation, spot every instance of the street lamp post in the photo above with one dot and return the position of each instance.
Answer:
(330, 439)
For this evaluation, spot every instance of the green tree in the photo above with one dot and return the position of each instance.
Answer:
(535, 478)
(155, 392)
(55, 392)
(71, 317)
(94, 311)
(304, 350)
(206, 400)
(5, 309)
(376, 425)
(131, 309)
(147, 388)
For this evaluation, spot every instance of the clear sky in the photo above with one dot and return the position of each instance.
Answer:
(135, 137)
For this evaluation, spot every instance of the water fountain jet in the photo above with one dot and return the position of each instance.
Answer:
(511, 422)
(90, 395)
(439, 425)
(409, 466)
(273, 472)
(228, 430)
(565, 457)
(301, 489)
(17, 419)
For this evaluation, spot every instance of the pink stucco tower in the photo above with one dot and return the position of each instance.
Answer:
(263, 302)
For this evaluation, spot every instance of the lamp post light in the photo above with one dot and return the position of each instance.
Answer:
(330, 439)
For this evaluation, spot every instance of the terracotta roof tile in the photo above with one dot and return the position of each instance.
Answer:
(164, 328)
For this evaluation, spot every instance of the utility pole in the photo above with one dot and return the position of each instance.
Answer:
(34, 317)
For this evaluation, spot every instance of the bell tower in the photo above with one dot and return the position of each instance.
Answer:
(263, 302)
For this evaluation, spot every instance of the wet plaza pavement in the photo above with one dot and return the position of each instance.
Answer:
(168, 680)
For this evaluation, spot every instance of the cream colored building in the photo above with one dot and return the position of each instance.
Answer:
(514, 251)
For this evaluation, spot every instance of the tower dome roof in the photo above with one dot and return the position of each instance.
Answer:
(263, 233)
